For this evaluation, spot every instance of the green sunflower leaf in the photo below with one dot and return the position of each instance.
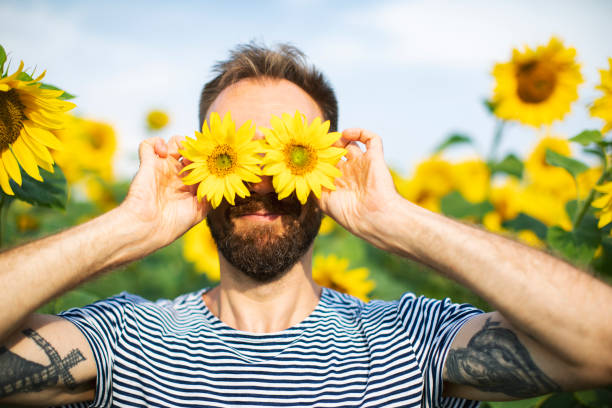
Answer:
(526, 222)
(511, 165)
(587, 137)
(65, 96)
(454, 205)
(577, 246)
(2, 59)
(489, 105)
(573, 166)
(24, 76)
(454, 139)
(597, 152)
(50, 193)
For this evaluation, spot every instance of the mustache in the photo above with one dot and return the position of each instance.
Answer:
(268, 203)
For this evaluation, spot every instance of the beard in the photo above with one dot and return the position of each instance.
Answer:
(263, 253)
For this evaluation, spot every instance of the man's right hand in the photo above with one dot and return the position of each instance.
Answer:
(164, 206)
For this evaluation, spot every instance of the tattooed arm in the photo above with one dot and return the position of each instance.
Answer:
(47, 362)
(556, 318)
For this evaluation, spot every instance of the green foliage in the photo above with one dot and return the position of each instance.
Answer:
(578, 246)
(454, 205)
(587, 137)
(526, 222)
(64, 96)
(2, 59)
(453, 140)
(573, 166)
(49, 193)
(510, 165)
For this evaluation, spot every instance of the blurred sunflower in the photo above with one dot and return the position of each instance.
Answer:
(472, 178)
(89, 149)
(547, 178)
(602, 107)
(328, 225)
(432, 180)
(332, 272)
(604, 203)
(157, 119)
(301, 157)
(29, 118)
(537, 86)
(200, 248)
(223, 158)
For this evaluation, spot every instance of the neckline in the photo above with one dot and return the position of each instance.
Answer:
(288, 332)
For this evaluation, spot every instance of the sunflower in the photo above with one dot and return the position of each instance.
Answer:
(546, 177)
(301, 157)
(602, 107)
(432, 180)
(223, 158)
(537, 87)
(332, 272)
(604, 203)
(200, 248)
(157, 120)
(29, 118)
(89, 149)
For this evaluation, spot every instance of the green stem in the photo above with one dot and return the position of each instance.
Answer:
(499, 130)
(584, 207)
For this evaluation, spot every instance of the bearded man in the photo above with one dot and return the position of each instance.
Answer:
(267, 335)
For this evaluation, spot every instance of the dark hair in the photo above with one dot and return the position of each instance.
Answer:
(285, 62)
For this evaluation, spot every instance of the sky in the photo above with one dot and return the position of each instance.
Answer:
(411, 71)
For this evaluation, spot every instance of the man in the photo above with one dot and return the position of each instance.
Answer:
(267, 335)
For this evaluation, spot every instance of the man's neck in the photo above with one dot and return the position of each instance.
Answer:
(256, 307)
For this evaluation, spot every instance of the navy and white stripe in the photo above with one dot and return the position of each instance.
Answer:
(345, 353)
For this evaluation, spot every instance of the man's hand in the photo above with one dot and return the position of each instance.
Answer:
(158, 199)
(365, 188)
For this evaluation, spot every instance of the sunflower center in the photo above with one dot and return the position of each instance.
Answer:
(222, 160)
(11, 117)
(536, 81)
(300, 159)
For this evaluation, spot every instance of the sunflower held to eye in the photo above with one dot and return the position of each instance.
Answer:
(300, 156)
(29, 118)
(537, 86)
(223, 158)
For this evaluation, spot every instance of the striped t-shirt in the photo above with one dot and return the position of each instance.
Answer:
(346, 353)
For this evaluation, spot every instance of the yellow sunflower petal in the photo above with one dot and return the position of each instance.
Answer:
(26, 159)
(42, 135)
(11, 166)
(4, 180)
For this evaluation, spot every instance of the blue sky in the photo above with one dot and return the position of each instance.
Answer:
(412, 71)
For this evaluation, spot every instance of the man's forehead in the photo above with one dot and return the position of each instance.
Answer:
(259, 99)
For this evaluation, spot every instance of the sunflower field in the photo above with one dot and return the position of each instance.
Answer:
(56, 171)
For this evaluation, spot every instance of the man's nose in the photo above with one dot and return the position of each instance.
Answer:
(263, 187)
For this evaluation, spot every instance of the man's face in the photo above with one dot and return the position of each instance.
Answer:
(262, 236)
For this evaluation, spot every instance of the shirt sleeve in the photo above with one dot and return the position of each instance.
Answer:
(432, 325)
(102, 324)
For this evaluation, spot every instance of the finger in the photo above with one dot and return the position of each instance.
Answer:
(352, 150)
(174, 145)
(259, 135)
(147, 149)
(371, 140)
(161, 148)
(342, 142)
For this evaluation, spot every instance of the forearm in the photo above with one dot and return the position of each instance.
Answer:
(34, 273)
(561, 307)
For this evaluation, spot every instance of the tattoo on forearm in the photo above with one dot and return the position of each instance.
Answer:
(20, 375)
(496, 361)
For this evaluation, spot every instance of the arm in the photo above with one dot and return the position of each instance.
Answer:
(559, 314)
(158, 209)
